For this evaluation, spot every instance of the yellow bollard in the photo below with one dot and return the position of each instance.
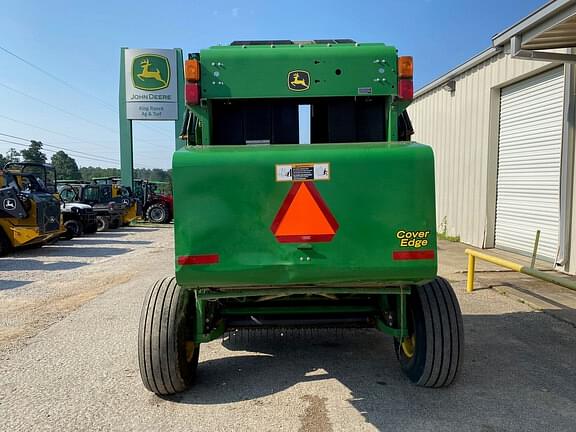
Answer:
(470, 280)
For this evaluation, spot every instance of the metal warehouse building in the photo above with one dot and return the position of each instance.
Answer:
(502, 127)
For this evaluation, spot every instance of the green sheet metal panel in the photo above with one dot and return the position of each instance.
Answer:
(227, 197)
(263, 71)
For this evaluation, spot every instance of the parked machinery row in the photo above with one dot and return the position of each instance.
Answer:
(36, 208)
(154, 196)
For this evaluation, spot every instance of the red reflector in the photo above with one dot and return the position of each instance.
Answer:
(192, 94)
(405, 89)
(198, 259)
(413, 255)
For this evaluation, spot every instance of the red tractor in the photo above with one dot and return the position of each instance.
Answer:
(156, 198)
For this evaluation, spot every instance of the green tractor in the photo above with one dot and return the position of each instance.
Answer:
(273, 231)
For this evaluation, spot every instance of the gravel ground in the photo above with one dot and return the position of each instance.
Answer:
(41, 286)
(78, 369)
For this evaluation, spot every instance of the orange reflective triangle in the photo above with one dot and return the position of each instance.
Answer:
(304, 217)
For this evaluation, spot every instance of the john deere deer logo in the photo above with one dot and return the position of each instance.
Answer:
(150, 72)
(9, 204)
(298, 80)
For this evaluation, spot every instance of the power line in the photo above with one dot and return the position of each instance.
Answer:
(54, 151)
(62, 148)
(69, 136)
(137, 164)
(56, 78)
(58, 108)
(79, 154)
(158, 130)
(72, 87)
(40, 128)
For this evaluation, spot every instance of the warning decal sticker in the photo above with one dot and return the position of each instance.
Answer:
(303, 172)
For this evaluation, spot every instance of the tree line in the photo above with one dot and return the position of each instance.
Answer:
(67, 168)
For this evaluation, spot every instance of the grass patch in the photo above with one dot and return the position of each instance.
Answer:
(444, 236)
(442, 232)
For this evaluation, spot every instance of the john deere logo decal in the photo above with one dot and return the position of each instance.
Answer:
(298, 80)
(150, 72)
(9, 204)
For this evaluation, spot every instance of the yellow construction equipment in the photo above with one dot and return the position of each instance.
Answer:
(29, 206)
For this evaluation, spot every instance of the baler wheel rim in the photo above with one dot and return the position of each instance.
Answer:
(409, 346)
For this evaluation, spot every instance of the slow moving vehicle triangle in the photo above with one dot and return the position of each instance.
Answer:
(304, 217)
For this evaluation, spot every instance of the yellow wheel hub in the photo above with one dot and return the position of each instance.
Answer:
(190, 348)
(409, 346)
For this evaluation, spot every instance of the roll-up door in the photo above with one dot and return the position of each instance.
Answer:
(529, 149)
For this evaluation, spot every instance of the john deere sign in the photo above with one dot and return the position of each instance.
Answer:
(151, 93)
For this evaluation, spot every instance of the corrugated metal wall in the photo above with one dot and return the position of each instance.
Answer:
(458, 126)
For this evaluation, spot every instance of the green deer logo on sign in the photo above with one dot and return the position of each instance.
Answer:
(150, 72)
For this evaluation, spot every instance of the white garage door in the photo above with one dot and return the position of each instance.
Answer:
(530, 141)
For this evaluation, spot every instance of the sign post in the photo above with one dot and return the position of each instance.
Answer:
(151, 81)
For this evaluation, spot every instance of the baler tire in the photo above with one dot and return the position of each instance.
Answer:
(102, 223)
(436, 322)
(168, 360)
(158, 213)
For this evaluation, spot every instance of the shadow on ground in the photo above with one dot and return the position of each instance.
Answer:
(557, 309)
(139, 229)
(87, 252)
(96, 240)
(107, 234)
(520, 368)
(11, 284)
(23, 264)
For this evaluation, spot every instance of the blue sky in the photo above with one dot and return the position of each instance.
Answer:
(79, 43)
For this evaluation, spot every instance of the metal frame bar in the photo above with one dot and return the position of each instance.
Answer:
(517, 52)
(533, 22)
(206, 294)
(297, 310)
(126, 139)
(553, 20)
(567, 165)
(201, 299)
(492, 167)
(385, 328)
(473, 254)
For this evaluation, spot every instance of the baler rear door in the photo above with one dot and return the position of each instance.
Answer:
(304, 214)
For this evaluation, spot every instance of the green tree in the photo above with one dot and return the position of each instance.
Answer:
(65, 166)
(11, 156)
(88, 173)
(34, 152)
